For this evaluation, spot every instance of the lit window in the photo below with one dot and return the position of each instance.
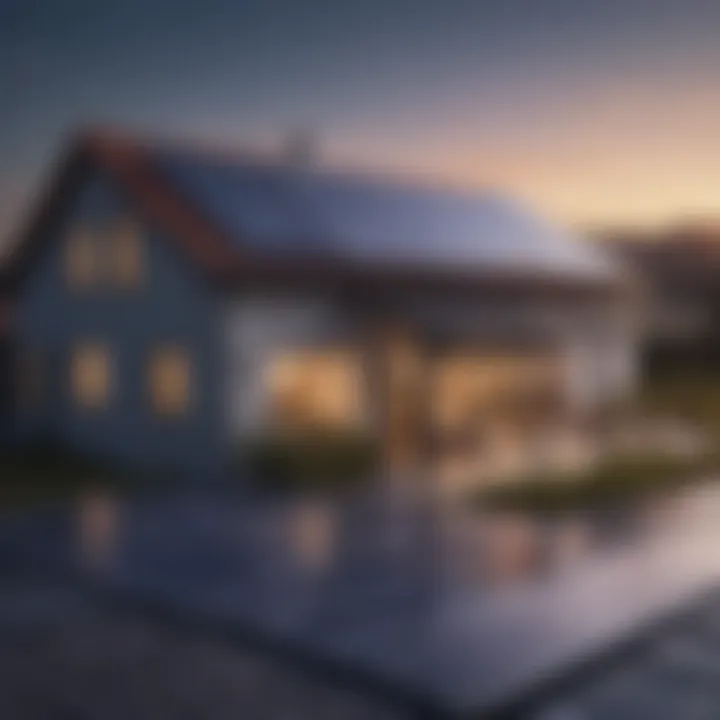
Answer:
(170, 381)
(468, 388)
(316, 389)
(91, 376)
(126, 256)
(82, 258)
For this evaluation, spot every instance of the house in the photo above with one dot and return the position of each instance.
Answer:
(173, 302)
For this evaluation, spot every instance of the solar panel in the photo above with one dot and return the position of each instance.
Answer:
(280, 208)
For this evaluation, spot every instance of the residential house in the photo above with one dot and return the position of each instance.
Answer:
(173, 302)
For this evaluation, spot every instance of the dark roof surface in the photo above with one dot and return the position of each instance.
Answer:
(281, 208)
(240, 219)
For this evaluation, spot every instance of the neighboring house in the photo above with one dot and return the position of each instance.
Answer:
(172, 303)
(680, 271)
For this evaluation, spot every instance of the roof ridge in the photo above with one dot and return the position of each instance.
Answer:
(225, 154)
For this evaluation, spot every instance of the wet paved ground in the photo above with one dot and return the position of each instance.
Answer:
(673, 675)
(63, 657)
(468, 614)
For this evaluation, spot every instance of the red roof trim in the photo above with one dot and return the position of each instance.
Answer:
(134, 171)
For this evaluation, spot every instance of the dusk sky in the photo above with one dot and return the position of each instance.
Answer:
(593, 111)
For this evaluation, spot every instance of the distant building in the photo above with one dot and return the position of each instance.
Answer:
(679, 269)
(171, 303)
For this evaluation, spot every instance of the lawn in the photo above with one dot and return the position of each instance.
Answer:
(44, 472)
(692, 397)
(613, 481)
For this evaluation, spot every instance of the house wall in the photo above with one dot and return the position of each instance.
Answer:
(597, 342)
(170, 305)
(257, 329)
(601, 357)
(595, 345)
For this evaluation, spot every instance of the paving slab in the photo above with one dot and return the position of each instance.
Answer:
(466, 613)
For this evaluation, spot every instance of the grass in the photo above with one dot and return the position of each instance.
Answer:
(691, 397)
(320, 460)
(25, 480)
(613, 481)
(44, 472)
(694, 397)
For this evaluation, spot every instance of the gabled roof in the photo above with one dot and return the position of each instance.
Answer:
(241, 220)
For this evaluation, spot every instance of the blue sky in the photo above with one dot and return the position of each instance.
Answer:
(594, 111)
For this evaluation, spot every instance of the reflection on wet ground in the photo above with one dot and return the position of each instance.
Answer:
(468, 608)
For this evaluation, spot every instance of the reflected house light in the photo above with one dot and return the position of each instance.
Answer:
(99, 524)
(510, 549)
(313, 535)
(570, 541)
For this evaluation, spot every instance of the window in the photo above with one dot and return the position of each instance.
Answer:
(126, 254)
(170, 381)
(91, 376)
(316, 389)
(470, 388)
(82, 258)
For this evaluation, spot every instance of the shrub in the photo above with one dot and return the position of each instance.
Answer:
(310, 460)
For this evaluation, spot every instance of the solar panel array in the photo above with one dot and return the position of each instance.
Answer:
(281, 208)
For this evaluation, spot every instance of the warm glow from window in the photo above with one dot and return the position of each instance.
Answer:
(82, 258)
(469, 388)
(316, 389)
(126, 255)
(91, 376)
(170, 381)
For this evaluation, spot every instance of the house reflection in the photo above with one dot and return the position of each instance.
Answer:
(99, 529)
(313, 535)
(510, 549)
(509, 546)
(567, 542)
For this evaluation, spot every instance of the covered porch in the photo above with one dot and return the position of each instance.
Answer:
(464, 412)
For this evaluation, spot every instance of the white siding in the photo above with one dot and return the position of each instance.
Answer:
(258, 328)
(601, 361)
(597, 346)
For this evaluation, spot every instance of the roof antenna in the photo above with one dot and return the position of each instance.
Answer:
(300, 147)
